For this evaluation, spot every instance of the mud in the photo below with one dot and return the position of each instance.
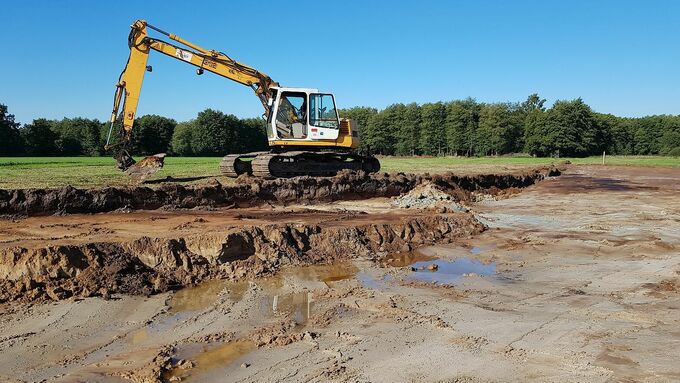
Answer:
(575, 279)
(254, 191)
(144, 253)
(148, 265)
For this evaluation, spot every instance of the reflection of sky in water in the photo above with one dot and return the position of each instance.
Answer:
(476, 250)
(451, 271)
(371, 282)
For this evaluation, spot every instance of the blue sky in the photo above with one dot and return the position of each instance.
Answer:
(62, 58)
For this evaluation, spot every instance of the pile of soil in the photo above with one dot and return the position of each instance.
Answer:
(428, 196)
(254, 191)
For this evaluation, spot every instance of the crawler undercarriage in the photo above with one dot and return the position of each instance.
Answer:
(295, 163)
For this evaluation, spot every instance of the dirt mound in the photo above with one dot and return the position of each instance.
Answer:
(148, 265)
(429, 196)
(253, 191)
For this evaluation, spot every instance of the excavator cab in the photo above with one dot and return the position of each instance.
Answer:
(302, 115)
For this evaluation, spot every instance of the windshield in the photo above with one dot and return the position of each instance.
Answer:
(322, 111)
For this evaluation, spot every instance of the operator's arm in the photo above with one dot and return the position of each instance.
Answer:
(130, 82)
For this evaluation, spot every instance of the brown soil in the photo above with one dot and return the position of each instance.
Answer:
(147, 252)
(97, 255)
(585, 289)
(254, 191)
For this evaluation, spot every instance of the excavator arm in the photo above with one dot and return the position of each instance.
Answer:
(130, 81)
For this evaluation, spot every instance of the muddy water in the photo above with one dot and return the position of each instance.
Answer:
(334, 272)
(207, 358)
(276, 302)
(297, 306)
(198, 297)
(406, 258)
(138, 336)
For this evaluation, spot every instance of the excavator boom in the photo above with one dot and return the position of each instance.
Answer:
(129, 84)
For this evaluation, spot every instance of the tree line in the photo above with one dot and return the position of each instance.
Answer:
(459, 128)
(469, 128)
(211, 133)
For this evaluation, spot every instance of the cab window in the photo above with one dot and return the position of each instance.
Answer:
(322, 111)
(291, 115)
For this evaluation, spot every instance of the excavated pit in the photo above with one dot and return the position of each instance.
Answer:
(138, 248)
(149, 265)
(254, 191)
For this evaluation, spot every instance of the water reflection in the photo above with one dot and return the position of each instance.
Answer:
(449, 272)
(206, 358)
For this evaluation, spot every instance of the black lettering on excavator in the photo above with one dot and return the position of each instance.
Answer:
(210, 64)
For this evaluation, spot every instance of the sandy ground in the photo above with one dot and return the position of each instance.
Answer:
(577, 280)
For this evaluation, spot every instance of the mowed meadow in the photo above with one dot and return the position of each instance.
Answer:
(43, 172)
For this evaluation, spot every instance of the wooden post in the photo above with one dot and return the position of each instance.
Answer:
(603, 155)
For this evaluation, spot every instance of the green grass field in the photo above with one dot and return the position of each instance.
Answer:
(27, 172)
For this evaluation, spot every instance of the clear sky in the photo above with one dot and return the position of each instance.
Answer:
(62, 58)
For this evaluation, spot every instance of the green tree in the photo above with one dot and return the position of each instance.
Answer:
(251, 135)
(669, 141)
(533, 103)
(215, 133)
(496, 131)
(432, 129)
(529, 115)
(39, 138)
(11, 143)
(182, 139)
(152, 134)
(78, 136)
(462, 120)
(407, 128)
(380, 137)
(568, 128)
(647, 133)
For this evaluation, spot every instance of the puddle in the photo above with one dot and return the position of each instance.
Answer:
(207, 358)
(325, 273)
(205, 294)
(406, 258)
(476, 250)
(195, 298)
(138, 336)
(298, 306)
(371, 282)
(448, 272)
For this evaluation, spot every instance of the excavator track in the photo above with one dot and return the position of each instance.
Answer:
(233, 165)
(316, 164)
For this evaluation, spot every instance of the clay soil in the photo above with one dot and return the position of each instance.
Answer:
(570, 278)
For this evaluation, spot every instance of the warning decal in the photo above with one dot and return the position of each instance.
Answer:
(184, 55)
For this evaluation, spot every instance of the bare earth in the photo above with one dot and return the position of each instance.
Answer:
(577, 279)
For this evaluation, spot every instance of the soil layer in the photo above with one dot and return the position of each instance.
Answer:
(254, 191)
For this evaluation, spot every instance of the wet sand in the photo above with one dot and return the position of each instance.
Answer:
(577, 279)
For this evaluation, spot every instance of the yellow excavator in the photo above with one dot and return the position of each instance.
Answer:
(305, 134)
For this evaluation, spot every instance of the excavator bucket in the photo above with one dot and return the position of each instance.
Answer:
(146, 166)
